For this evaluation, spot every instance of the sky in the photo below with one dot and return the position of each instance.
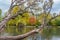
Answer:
(56, 6)
(4, 5)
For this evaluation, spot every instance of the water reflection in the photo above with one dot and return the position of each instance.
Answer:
(51, 34)
(39, 37)
(55, 38)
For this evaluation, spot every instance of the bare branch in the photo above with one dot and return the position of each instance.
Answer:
(53, 18)
(18, 37)
(23, 35)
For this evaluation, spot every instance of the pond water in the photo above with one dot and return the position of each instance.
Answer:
(55, 38)
(38, 37)
(54, 35)
(42, 38)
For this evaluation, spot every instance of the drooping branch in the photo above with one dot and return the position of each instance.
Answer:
(53, 18)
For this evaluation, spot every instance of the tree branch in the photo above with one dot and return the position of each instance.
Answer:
(19, 37)
(53, 18)
(9, 16)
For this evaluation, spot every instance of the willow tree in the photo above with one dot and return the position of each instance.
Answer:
(32, 6)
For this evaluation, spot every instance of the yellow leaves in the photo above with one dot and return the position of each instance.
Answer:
(23, 19)
(26, 14)
(15, 9)
(49, 16)
(11, 22)
(41, 16)
(53, 22)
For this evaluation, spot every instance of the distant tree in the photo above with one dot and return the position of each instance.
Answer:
(0, 14)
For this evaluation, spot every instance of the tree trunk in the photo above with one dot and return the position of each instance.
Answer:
(19, 37)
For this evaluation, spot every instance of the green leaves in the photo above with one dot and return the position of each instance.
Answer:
(56, 21)
(0, 14)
